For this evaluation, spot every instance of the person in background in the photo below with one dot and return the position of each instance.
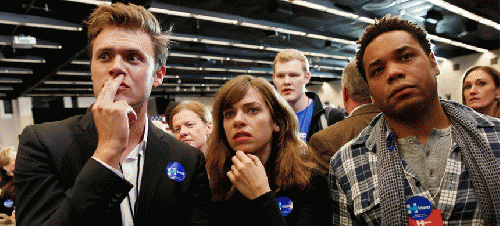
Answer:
(481, 90)
(112, 165)
(191, 123)
(7, 191)
(260, 171)
(290, 76)
(361, 110)
(424, 160)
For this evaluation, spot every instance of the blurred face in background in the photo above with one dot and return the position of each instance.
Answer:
(290, 80)
(480, 92)
(189, 128)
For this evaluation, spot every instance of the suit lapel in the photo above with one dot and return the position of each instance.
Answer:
(154, 176)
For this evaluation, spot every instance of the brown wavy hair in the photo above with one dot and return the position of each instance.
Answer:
(290, 162)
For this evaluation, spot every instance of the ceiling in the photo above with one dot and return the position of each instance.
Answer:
(215, 40)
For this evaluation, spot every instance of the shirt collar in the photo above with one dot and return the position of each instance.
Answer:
(139, 149)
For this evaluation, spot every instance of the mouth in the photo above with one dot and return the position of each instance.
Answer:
(187, 140)
(473, 99)
(242, 136)
(287, 91)
(400, 89)
(123, 86)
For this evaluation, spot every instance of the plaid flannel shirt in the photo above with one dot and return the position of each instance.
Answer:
(354, 178)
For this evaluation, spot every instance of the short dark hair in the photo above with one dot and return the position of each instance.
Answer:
(386, 24)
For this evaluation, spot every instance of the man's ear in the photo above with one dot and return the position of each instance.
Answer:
(307, 77)
(345, 95)
(160, 74)
(434, 63)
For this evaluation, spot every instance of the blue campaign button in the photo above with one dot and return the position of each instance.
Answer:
(285, 204)
(176, 172)
(418, 208)
(8, 203)
(390, 141)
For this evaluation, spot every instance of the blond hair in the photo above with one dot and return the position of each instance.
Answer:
(291, 54)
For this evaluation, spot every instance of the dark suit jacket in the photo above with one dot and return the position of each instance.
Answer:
(58, 183)
(326, 142)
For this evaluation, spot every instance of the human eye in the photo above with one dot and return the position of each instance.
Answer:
(177, 129)
(482, 83)
(104, 56)
(376, 71)
(132, 57)
(467, 86)
(190, 124)
(228, 114)
(406, 56)
(253, 110)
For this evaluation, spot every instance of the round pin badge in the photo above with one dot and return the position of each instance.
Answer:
(175, 171)
(8, 203)
(418, 208)
(285, 204)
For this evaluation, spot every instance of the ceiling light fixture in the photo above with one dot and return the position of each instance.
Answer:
(465, 13)
(92, 2)
(36, 21)
(248, 46)
(371, 21)
(158, 8)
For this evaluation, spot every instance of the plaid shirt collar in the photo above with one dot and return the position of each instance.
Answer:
(368, 136)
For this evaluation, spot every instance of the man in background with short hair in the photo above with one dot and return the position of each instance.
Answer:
(290, 76)
(358, 103)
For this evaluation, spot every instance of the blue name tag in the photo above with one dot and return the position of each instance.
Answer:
(176, 172)
(285, 204)
(8, 203)
(418, 208)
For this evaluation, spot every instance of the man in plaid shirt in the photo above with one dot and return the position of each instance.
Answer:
(419, 147)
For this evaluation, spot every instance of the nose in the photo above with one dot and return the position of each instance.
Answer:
(287, 80)
(117, 67)
(183, 131)
(239, 120)
(473, 90)
(394, 72)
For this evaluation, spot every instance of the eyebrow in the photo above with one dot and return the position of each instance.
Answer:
(396, 52)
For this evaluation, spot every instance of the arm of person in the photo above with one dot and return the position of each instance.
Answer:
(342, 213)
(319, 145)
(45, 198)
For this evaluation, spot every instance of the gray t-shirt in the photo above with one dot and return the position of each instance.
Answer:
(428, 162)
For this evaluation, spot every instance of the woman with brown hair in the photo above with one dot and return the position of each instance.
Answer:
(260, 171)
(481, 90)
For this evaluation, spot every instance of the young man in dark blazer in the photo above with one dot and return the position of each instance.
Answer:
(112, 165)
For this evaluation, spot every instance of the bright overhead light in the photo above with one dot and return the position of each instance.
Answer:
(92, 2)
(243, 23)
(464, 13)
(74, 73)
(440, 3)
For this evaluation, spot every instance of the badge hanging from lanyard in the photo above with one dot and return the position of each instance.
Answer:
(421, 213)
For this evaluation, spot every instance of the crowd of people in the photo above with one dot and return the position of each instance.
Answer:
(264, 154)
